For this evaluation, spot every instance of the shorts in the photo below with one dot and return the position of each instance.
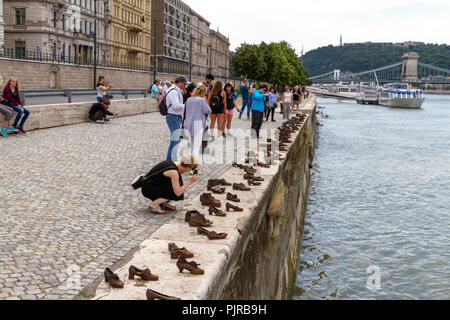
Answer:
(296, 102)
(218, 111)
(230, 112)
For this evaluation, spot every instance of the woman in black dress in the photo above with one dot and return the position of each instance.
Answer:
(164, 182)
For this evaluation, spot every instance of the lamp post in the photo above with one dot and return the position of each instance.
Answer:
(95, 45)
(190, 57)
(154, 53)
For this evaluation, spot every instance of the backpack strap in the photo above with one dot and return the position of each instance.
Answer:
(168, 107)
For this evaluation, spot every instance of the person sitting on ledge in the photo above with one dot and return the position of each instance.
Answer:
(164, 183)
(99, 111)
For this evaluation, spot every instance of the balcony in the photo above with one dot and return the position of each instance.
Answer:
(132, 27)
(132, 49)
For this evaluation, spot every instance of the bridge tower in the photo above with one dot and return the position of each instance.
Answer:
(410, 63)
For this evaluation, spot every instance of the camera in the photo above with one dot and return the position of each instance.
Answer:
(195, 172)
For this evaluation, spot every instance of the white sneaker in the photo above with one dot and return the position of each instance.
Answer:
(100, 121)
(220, 139)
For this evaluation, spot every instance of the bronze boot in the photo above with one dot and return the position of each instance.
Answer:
(240, 187)
(192, 266)
(176, 252)
(113, 279)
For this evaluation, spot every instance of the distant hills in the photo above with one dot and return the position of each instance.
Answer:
(358, 57)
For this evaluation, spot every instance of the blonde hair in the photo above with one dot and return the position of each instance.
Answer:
(189, 161)
(9, 83)
(200, 91)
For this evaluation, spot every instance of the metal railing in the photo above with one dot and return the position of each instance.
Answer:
(12, 53)
(70, 93)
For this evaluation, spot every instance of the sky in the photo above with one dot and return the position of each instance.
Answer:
(318, 23)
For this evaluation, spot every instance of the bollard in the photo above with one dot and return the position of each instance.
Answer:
(24, 99)
(126, 94)
(145, 93)
(69, 96)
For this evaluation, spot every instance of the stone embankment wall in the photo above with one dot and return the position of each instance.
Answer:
(56, 115)
(264, 262)
(259, 257)
(36, 75)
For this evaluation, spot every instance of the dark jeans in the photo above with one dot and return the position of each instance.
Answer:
(174, 124)
(270, 111)
(257, 120)
(245, 104)
(20, 112)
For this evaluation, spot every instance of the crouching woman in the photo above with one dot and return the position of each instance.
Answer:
(99, 111)
(164, 183)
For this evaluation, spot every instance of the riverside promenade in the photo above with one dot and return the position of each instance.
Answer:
(67, 207)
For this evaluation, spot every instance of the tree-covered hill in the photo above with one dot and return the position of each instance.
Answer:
(366, 56)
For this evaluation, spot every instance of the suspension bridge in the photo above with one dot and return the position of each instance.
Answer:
(410, 71)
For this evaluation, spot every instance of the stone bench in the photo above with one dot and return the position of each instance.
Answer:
(55, 115)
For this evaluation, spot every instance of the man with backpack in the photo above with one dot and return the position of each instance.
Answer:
(174, 118)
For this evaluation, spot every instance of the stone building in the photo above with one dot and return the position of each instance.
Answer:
(2, 23)
(131, 32)
(173, 21)
(200, 44)
(61, 29)
(220, 54)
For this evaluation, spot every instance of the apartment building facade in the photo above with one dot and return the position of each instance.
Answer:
(220, 53)
(200, 44)
(59, 28)
(131, 32)
(172, 35)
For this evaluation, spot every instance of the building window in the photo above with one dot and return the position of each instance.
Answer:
(20, 16)
(54, 19)
(20, 49)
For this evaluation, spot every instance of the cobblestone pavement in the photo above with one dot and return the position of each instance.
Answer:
(67, 209)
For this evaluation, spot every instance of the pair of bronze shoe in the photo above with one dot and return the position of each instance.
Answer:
(195, 219)
(218, 190)
(212, 235)
(208, 200)
(113, 279)
(192, 267)
(153, 295)
(176, 252)
(216, 212)
(253, 183)
(234, 208)
(240, 187)
(253, 178)
(237, 165)
(145, 275)
(233, 198)
(217, 183)
(262, 165)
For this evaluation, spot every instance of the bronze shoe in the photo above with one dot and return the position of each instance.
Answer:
(196, 221)
(212, 235)
(218, 190)
(240, 187)
(257, 179)
(192, 213)
(252, 183)
(183, 264)
(248, 176)
(153, 295)
(113, 279)
(208, 200)
(262, 165)
(234, 208)
(176, 252)
(232, 197)
(214, 211)
(168, 207)
(284, 149)
(237, 165)
(145, 275)
(223, 183)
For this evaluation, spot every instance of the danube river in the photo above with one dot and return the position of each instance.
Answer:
(378, 221)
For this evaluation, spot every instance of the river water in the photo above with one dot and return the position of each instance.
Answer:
(378, 220)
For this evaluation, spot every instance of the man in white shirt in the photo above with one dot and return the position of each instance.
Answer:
(174, 118)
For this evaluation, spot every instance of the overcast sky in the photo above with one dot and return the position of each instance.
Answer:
(319, 23)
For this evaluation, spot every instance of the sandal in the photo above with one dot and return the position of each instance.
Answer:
(156, 210)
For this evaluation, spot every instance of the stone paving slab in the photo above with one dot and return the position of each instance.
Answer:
(66, 203)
